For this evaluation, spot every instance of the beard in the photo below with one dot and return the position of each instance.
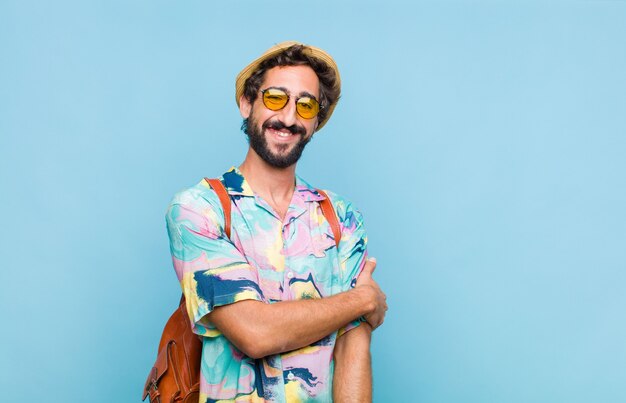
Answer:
(284, 158)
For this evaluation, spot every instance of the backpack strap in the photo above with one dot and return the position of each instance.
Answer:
(331, 216)
(222, 194)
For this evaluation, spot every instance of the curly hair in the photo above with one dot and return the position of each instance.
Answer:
(296, 56)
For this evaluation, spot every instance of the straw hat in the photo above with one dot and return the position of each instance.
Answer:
(312, 51)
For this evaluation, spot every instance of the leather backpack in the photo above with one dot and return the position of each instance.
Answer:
(175, 376)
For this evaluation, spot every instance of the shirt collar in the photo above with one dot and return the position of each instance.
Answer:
(306, 191)
(236, 184)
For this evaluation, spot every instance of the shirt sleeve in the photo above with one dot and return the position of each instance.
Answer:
(352, 249)
(211, 271)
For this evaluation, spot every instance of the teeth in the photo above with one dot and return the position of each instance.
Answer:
(281, 133)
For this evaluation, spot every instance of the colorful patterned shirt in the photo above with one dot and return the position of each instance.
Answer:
(266, 259)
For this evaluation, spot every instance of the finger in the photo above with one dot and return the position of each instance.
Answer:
(370, 265)
(373, 323)
(372, 261)
(380, 322)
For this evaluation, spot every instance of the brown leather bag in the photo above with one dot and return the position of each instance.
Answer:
(175, 376)
(176, 372)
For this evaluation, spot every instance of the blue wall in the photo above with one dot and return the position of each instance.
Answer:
(483, 141)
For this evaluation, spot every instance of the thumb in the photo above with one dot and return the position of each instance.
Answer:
(370, 265)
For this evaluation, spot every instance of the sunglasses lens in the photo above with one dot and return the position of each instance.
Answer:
(307, 107)
(275, 99)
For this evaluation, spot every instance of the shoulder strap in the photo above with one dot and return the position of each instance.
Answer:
(331, 216)
(222, 194)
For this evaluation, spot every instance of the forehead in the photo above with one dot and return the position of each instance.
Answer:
(297, 79)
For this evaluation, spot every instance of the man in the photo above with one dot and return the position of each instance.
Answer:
(278, 303)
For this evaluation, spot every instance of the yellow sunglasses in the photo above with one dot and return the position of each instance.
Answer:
(276, 99)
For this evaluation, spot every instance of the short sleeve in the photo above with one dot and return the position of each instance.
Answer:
(211, 271)
(352, 248)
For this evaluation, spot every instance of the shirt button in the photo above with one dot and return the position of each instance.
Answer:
(290, 275)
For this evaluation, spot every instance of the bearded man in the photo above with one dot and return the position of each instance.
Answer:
(285, 310)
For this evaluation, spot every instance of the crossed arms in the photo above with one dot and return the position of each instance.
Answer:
(259, 330)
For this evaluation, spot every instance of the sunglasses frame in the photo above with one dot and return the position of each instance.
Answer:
(319, 105)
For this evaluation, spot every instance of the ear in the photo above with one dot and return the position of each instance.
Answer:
(244, 107)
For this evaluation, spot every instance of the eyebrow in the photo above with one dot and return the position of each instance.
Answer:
(306, 94)
(300, 95)
(279, 88)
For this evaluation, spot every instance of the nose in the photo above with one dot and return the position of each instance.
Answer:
(288, 114)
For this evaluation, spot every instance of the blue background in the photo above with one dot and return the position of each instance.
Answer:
(483, 141)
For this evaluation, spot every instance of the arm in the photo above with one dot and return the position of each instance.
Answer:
(352, 380)
(260, 329)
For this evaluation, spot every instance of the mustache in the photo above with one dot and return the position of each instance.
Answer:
(278, 125)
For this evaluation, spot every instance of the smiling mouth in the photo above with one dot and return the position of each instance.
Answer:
(281, 133)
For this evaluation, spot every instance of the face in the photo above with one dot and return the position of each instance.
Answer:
(279, 137)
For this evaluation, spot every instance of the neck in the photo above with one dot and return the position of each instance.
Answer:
(274, 185)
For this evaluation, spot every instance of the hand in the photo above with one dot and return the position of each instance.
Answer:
(376, 317)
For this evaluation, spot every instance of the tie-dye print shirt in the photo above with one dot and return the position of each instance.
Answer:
(266, 259)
